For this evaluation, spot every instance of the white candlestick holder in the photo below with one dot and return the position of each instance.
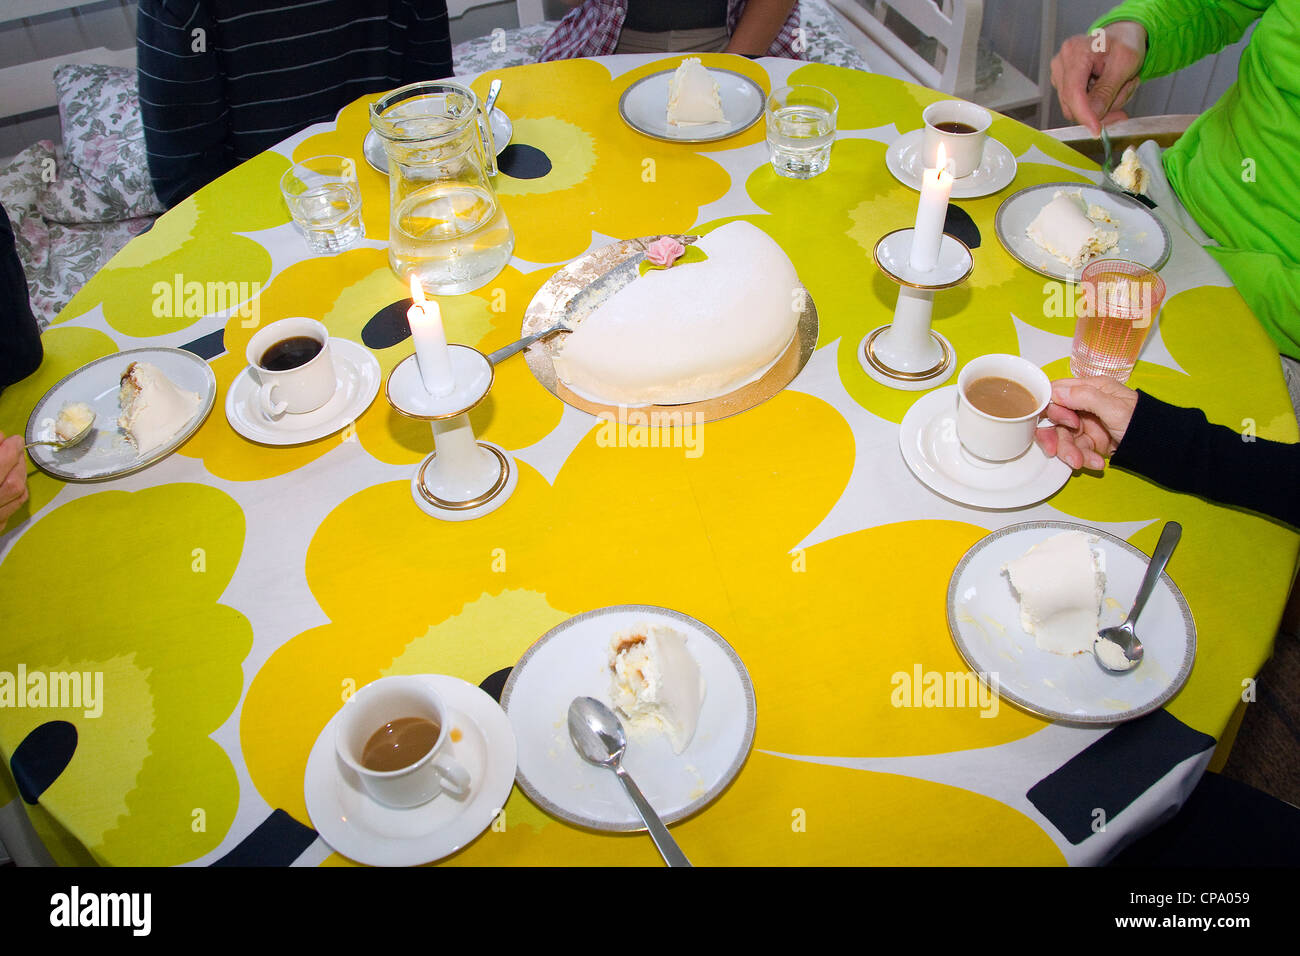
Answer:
(464, 478)
(908, 354)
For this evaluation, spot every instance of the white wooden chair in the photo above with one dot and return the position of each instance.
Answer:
(955, 25)
(529, 11)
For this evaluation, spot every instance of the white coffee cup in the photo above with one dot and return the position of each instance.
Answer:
(386, 700)
(964, 152)
(295, 390)
(988, 436)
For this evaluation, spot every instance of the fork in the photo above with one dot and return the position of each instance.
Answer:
(1108, 165)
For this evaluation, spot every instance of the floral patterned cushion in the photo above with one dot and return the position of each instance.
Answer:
(105, 175)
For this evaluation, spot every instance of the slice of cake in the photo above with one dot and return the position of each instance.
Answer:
(1072, 232)
(1130, 174)
(1060, 582)
(153, 409)
(656, 683)
(692, 332)
(693, 98)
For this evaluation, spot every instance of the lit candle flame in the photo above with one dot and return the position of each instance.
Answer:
(417, 290)
(942, 159)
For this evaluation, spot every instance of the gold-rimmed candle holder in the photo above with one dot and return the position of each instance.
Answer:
(464, 477)
(909, 354)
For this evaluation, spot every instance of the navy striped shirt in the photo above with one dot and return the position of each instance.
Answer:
(223, 80)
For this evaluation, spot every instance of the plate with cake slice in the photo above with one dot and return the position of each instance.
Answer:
(1056, 229)
(692, 104)
(1026, 602)
(146, 402)
(681, 692)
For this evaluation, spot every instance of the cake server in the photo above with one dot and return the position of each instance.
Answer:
(1124, 635)
(598, 736)
(504, 353)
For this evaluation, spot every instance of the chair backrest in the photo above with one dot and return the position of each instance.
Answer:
(530, 11)
(954, 24)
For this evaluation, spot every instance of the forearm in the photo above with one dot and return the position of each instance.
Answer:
(1178, 448)
(1180, 32)
(182, 101)
(759, 25)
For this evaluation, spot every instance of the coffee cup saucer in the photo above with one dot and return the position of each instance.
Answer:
(928, 440)
(995, 173)
(354, 824)
(357, 378)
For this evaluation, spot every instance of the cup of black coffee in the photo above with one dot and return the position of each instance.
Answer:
(292, 363)
(962, 128)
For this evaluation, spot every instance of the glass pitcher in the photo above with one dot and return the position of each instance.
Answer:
(446, 222)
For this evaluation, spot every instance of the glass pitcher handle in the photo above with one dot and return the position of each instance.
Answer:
(489, 142)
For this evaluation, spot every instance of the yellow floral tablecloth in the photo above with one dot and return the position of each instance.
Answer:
(231, 593)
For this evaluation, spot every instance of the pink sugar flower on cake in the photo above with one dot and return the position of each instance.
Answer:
(665, 251)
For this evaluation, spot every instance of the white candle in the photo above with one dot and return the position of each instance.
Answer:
(936, 187)
(431, 354)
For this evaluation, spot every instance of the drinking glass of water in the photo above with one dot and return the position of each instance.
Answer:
(800, 130)
(324, 199)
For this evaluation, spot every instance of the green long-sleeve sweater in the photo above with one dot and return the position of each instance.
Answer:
(1237, 168)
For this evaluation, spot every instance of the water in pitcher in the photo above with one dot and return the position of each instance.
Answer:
(454, 236)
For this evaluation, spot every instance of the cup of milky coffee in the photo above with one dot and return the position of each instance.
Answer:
(292, 363)
(962, 128)
(999, 401)
(393, 734)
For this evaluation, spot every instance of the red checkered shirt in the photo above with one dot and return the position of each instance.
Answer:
(593, 28)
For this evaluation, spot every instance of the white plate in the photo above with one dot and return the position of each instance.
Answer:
(644, 107)
(369, 832)
(572, 660)
(1142, 236)
(928, 440)
(503, 130)
(996, 172)
(984, 619)
(106, 453)
(357, 376)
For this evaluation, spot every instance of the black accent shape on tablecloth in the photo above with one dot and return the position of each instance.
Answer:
(494, 684)
(961, 226)
(1113, 772)
(1223, 823)
(208, 347)
(521, 161)
(388, 326)
(277, 841)
(41, 757)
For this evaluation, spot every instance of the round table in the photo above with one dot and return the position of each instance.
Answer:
(232, 595)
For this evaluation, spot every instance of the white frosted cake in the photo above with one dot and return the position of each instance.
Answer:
(691, 332)
(1130, 174)
(693, 96)
(153, 409)
(657, 684)
(1060, 582)
(1071, 231)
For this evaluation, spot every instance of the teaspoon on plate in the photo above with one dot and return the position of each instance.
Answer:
(1118, 649)
(598, 736)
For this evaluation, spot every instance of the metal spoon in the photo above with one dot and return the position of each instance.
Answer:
(494, 90)
(1124, 635)
(60, 444)
(504, 353)
(598, 736)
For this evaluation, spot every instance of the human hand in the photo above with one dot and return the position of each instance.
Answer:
(1094, 84)
(13, 476)
(1090, 416)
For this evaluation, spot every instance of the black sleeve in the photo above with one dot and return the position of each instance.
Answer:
(20, 336)
(1178, 448)
(424, 51)
(182, 98)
